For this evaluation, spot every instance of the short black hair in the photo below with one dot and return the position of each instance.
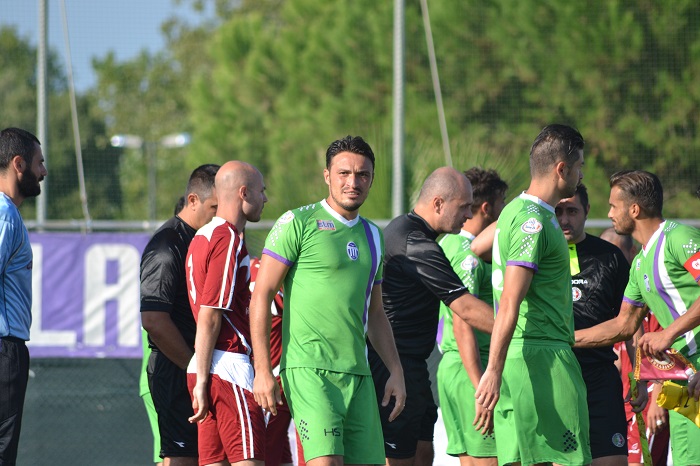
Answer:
(16, 141)
(202, 181)
(555, 143)
(582, 193)
(487, 185)
(355, 144)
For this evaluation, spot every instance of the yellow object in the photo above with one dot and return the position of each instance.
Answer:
(675, 397)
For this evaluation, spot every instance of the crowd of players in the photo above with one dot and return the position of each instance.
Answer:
(344, 316)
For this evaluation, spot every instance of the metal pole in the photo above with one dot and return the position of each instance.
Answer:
(397, 191)
(150, 157)
(42, 108)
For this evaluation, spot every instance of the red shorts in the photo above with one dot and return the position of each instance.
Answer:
(277, 450)
(234, 430)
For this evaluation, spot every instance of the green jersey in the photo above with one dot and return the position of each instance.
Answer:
(664, 276)
(476, 276)
(334, 263)
(528, 235)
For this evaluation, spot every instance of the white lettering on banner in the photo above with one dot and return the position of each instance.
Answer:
(98, 292)
(40, 337)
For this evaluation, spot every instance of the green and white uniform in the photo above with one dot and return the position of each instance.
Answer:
(664, 276)
(543, 406)
(333, 265)
(455, 388)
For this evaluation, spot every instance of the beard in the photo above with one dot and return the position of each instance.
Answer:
(29, 184)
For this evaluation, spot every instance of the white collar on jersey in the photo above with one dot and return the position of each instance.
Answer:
(536, 200)
(340, 218)
(647, 247)
(467, 235)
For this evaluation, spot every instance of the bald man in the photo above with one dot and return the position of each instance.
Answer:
(220, 376)
(624, 242)
(417, 277)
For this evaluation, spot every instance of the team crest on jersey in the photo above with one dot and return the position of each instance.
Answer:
(325, 225)
(646, 282)
(531, 226)
(287, 217)
(469, 263)
(576, 293)
(353, 251)
(618, 440)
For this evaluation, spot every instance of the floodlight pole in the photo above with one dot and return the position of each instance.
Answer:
(398, 127)
(42, 112)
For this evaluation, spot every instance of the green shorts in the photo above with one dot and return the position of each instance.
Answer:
(335, 414)
(685, 435)
(153, 420)
(543, 407)
(457, 404)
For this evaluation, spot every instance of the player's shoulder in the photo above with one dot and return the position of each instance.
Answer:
(301, 214)
(674, 229)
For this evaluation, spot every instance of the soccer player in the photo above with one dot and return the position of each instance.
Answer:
(330, 259)
(220, 376)
(167, 317)
(663, 276)
(599, 274)
(21, 170)
(417, 277)
(532, 372)
(465, 350)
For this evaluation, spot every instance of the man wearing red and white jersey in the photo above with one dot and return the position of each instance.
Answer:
(231, 425)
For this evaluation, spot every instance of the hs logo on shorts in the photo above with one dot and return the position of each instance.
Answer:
(334, 431)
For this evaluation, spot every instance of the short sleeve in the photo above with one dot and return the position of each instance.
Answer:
(284, 240)
(633, 294)
(528, 242)
(160, 277)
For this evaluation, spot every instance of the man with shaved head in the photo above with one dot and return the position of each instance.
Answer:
(417, 277)
(532, 371)
(220, 375)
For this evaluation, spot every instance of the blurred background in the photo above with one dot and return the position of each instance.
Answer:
(138, 93)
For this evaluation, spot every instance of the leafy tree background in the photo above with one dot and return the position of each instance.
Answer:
(274, 81)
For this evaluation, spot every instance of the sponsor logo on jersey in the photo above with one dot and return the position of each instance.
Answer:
(287, 217)
(618, 440)
(579, 281)
(639, 264)
(576, 293)
(692, 265)
(353, 251)
(646, 282)
(325, 225)
(469, 263)
(531, 226)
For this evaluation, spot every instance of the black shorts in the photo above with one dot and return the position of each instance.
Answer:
(14, 375)
(171, 398)
(417, 420)
(606, 410)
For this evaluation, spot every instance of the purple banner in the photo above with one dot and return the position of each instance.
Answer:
(86, 295)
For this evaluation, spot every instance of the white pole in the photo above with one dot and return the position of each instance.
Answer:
(42, 110)
(397, 191)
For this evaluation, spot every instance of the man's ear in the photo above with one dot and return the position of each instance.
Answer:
(192, 199)
(18, 163)
(243, 192)
(438, 204)
(561, 169)
(634, 210)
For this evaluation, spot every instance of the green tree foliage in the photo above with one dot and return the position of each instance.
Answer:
(18, 100)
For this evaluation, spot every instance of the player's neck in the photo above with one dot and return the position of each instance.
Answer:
(644, 229)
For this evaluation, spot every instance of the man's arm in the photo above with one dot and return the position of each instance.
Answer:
(482, 245)
(268, 282)
(655, 343)
(382, 338)
(474, 312)
(167, 337)
(468, 348)
(516, 283)
(607, 333)
(208, 327)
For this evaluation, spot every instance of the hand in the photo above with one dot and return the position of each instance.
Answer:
(639, 403)
(657, 417)
(395, 387)
(483, 421)
(655, 343)
(200, 403)
(489, 390)
(266, 391)
(694, 386)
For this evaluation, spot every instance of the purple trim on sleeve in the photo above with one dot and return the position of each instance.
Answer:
(528, 265)
(440, 331)
(657, 279)
(632, 302)
(274, 255)
(373, 271)
(379, 282)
